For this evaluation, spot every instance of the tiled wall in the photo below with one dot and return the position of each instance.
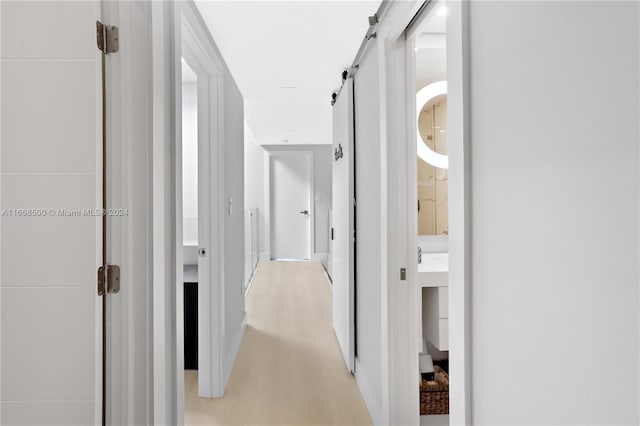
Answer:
(48, 160)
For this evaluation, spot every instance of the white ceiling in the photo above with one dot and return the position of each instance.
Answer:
(287, 57)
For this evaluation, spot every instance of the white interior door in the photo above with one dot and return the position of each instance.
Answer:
(290, 210)
(50, 180)
(207, 356)
(343, 224)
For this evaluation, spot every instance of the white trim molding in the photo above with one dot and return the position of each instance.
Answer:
(167, 406)
(458, 128)
(131, 144)
(374, 405)
(193, 41)
(232, 353)
(252, 279)
(322, 257)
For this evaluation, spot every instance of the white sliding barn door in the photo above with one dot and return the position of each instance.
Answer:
(343, 248)
(50, 120)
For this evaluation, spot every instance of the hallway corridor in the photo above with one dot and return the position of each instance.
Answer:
(289, 370)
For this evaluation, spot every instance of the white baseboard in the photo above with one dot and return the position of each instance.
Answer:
(253, 277)
(368, 394)
(435, 420)
(232, 353)
(322, 257)
(263, 256)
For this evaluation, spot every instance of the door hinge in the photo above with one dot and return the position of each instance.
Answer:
(113, 279)
(332, 234)
(108, 41)
(101, 279)
(108, 279)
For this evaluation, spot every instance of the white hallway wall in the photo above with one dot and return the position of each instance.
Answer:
(254, 195)
(49, 310)
(255, 188)
(555, 211)
(234, 222)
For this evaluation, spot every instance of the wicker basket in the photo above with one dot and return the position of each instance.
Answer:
(434, 396)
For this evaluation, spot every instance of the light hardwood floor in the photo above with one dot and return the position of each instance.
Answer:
(289, 370)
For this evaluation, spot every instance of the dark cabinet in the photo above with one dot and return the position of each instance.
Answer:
(190, 325)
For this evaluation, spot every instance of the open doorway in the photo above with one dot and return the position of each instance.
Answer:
(197, 247)
(190, 212)
(432, 176)
(438, 165)
(205, 218)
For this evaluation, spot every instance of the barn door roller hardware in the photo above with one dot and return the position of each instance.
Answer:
(373, 20)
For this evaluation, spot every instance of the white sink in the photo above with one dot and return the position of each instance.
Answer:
(434, 270)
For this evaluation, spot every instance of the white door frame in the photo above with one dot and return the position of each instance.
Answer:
(268, 157)
(459, 125)
(192, 41)
(130, 147)
(459, 202)
(168, 321)
(167, 400)
(401, 158)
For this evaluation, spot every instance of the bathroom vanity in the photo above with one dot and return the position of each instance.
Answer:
(433, 278)
(433, 282)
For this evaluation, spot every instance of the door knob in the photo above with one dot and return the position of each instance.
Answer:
(202, 252)
(305, 212)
